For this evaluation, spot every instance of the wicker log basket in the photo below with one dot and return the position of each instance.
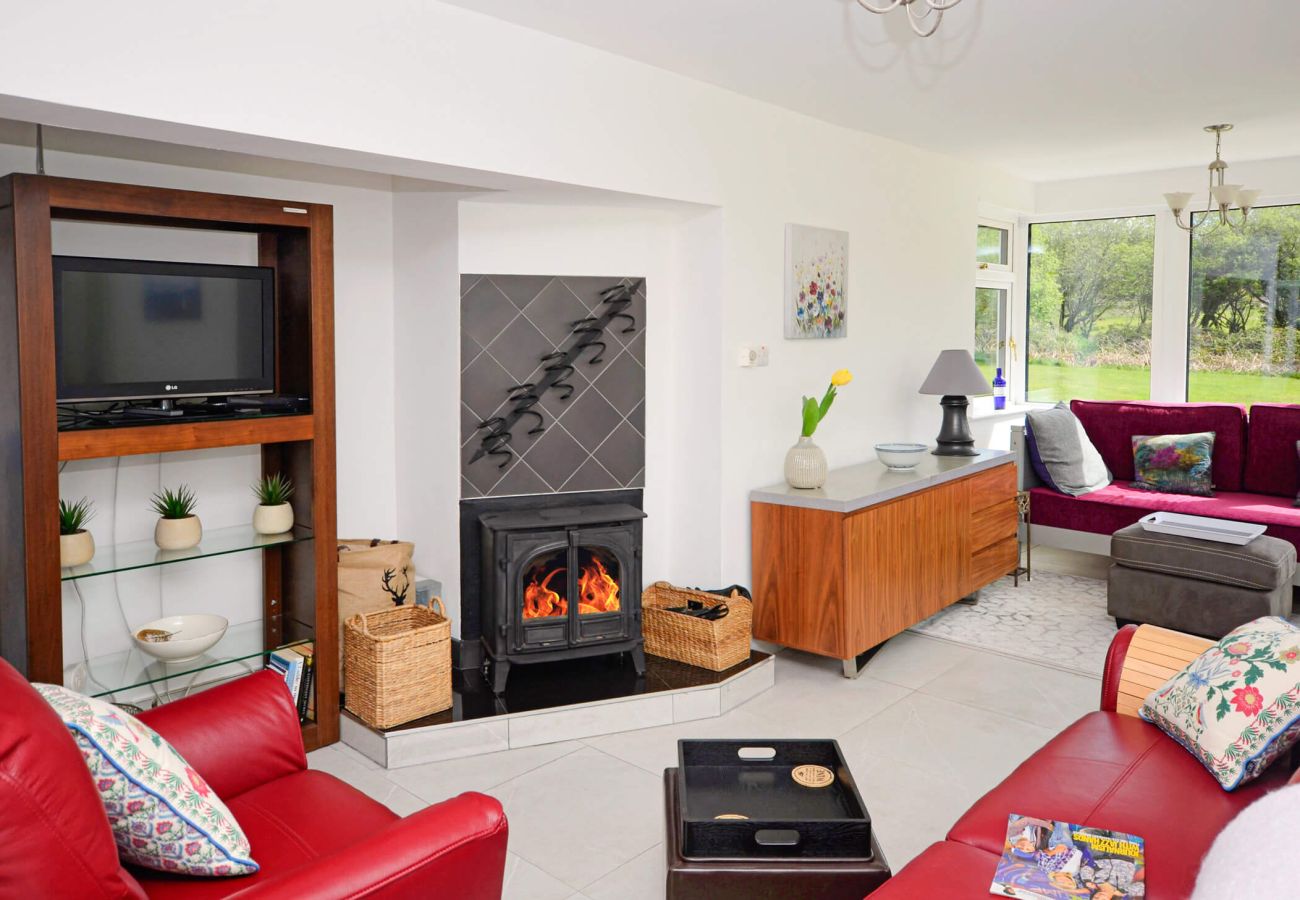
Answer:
(397, 664)
(713, 645)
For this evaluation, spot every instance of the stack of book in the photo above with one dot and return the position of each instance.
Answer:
(297, 665)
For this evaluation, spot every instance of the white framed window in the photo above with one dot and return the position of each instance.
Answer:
(994, 244)
(994, 346)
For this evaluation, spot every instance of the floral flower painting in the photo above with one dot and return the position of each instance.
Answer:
(816, 282)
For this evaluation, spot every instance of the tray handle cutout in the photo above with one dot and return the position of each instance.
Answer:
(760, 754)
(776, 837)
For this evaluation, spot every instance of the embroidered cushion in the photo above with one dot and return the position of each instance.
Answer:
(1174, 463)
(1236, 707)
(164, 815)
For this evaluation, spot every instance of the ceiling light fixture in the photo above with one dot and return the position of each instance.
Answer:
(1222, 197)
(917, 20)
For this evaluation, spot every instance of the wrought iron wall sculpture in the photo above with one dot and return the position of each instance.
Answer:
(557, 368)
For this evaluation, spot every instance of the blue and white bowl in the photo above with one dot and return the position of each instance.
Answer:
(901, 457)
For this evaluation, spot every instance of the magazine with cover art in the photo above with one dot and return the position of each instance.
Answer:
(1043, 859)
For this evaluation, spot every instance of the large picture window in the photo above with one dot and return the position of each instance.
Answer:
(1088, 332)
(1244, 311)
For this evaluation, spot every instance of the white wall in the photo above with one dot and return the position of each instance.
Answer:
(411, 87)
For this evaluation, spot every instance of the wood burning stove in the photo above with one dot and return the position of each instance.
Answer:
(560, 583)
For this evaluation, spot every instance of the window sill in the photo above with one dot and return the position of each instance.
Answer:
(1018, 409)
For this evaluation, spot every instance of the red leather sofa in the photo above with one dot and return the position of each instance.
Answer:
(1254, 467)
(1107, 769)
(313, 835)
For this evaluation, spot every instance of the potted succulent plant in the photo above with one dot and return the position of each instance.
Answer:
(805, 463)
(76, 545)
(178, 528)
(274, 513)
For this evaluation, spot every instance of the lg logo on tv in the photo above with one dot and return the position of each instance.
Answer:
(171, 387)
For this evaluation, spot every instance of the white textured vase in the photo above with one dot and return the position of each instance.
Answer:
(276, 519)
(805, 465)
(76, 549)
(178, 534)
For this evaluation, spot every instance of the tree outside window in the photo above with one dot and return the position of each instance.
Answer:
(1244, 311)
(1090, 295)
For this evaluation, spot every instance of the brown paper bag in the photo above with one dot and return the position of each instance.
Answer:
(373, 575)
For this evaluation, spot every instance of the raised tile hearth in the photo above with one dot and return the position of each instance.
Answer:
(561, 701)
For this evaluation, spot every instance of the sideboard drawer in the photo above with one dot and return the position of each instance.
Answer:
(991, 563)
(991, 487)
(993, 524)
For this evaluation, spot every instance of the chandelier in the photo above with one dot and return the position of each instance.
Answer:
(930, 8)
(1222, 197)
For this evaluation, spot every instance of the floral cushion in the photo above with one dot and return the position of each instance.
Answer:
(1174, 463)
(1236, 707)
(164, 815)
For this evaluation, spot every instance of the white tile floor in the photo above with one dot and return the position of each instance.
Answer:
(927, 729)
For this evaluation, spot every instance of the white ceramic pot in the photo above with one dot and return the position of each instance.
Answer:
(275, 519)
(76, 549)
(178, 534)
(805, 465)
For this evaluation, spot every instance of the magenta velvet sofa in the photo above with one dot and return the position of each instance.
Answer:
(1254, 467)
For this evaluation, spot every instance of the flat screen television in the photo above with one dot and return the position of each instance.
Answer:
(128, 329)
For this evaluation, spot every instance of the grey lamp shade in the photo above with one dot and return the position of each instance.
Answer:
(955, 373)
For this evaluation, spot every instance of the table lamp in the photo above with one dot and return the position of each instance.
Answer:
(953, 377)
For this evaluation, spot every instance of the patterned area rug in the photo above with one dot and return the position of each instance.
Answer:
(1055, 619)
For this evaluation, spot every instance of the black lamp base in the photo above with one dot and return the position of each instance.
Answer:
(955, 438)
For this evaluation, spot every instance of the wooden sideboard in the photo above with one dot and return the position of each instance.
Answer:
(839, 570)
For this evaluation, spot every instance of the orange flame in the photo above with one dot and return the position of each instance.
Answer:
(541, 602)
(597, 592)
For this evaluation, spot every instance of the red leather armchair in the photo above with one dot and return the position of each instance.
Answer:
(313, 835)
(1110, 769)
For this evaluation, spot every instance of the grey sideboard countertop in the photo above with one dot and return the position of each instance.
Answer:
(869, 483)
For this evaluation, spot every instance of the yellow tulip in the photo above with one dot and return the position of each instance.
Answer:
(841, 378)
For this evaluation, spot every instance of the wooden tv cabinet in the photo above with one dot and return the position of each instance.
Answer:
(841, 569)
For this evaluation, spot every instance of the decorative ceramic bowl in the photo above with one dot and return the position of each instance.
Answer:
(901, 456)
(190, 636)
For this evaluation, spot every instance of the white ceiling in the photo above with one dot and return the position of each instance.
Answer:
(1046, 89)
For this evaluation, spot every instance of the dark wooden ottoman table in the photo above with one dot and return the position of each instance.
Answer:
(764, 879)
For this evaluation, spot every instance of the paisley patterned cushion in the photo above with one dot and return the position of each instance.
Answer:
(163, 813)
(1174, 463)
(1236, 707)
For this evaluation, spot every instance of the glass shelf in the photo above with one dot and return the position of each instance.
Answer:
(116, 672)
(216, 542)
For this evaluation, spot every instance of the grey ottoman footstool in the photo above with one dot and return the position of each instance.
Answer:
(1200, 587)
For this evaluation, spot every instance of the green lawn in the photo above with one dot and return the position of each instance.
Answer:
(1049, 383)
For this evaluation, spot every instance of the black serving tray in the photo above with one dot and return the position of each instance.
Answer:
(783, 819)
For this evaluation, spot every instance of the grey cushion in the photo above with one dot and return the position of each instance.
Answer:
(1068, 455)
(1264, 564)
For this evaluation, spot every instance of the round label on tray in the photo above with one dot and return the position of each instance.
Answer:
(813, 776)
(731, 816)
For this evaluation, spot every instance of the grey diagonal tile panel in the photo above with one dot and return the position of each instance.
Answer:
(467, 282)
(556, 456)
(469, 350)
(638, 480)
(467, 489)
(622, 383)
(637, 347)
(485, 312)
(637, 310)
(588, 288)
(521, 289)
(521, 480)
(623, 453)
(636, 418)
(554, 311)
(485, 472)
(520, 348)
(591, 476)
(468, 423)
(483, 386)
(590, 418)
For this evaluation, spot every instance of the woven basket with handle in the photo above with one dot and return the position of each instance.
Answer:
(397, 664)
(713, 645)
